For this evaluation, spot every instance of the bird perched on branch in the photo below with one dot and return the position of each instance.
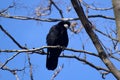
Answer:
(57, 36)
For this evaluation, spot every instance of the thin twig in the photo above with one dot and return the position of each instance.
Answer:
(85, 61)
(4, 10)
(30, 65)
(12, 38)
(94, 8)
(57, 71)
(9, 59)
(40, 11)
(106, 35)
(101, 16)
(60, 11)
(13, 71)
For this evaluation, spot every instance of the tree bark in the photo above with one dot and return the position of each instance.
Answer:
(88, 27)
(116, 7)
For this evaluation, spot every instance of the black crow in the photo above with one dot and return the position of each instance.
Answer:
(57, 36)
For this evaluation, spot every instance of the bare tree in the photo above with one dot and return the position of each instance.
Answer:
(104, 41)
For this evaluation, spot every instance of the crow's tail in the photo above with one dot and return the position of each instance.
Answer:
(51, 62)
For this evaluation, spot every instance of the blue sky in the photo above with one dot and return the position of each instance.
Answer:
(33, 34)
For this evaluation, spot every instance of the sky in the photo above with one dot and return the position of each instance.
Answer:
(32, 34)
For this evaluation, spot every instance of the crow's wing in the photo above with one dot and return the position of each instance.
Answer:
(53, 36)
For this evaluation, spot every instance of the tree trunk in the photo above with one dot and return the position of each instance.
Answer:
(116, 7)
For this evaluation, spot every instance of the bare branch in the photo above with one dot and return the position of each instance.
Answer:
(39, 11)
(106, 35)
(101, 16)
(16, 76)
(93, 7)
(9, 60)
(60, 11)
(114, 57)
(13, 71)
(6, 9)
(30, 65)
(52, 19)
(57, 71)
(85, 61)
(12, 38)
(36, 50)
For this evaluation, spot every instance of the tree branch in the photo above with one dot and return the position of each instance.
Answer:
(13, 71)
(60, 11)
(85, 61)
(6, 9)
(40, 50)
(12, 38)
(52, 19)
(93, 7)
(9, 59)
(106, 35)
(57, 71)
(30, 65)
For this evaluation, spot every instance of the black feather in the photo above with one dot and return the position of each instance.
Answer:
(56, 36)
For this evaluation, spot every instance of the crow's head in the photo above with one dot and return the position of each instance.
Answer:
(66, 24)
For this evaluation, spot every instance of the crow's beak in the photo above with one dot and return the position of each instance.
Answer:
(66, 26)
